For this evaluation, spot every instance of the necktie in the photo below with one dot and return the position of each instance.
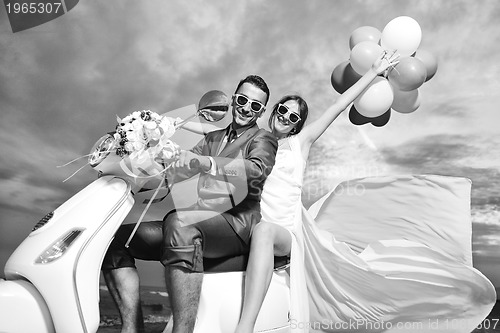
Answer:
(231, 136)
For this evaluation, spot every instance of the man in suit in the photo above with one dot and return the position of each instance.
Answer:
(233, 165)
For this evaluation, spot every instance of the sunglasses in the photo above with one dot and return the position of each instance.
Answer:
(242, 101)
(292, 117)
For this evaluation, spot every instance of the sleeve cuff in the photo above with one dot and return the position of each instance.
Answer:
(213, 170)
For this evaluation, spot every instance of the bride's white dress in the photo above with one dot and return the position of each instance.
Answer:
(384, 254)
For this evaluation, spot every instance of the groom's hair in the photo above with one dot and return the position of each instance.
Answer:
(256, 81)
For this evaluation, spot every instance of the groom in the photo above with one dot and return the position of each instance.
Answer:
(233, 165)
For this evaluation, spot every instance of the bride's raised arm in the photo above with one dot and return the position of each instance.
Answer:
(310, 133)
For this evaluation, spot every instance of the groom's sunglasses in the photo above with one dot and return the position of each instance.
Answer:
(282, 110)
(242, 101)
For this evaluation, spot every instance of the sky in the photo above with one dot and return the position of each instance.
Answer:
(63, 83)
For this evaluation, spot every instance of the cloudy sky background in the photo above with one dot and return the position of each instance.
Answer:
(62, 83)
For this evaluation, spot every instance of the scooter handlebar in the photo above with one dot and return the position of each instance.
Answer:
(194, 163)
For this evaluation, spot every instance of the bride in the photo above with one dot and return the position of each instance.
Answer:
(385, 283)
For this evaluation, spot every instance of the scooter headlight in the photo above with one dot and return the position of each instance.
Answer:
(59, 247)
(101, 149)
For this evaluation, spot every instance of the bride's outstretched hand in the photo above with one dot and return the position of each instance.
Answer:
(385, 61)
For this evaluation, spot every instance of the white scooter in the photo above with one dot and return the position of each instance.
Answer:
(52, 278)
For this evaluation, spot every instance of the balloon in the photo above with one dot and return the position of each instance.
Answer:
(363, 55)
(408, 75)
(363, 34)
(357, 118)
(376, 99)
(343, 77)
(402, 34)
(406, 101)
(429, 61)
(382, 119)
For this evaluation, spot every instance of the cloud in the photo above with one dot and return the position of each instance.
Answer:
(451, 155)
(485, 236)
(428, 152)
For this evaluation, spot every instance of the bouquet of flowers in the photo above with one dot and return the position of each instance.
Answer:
(142, 140)
(146, 135)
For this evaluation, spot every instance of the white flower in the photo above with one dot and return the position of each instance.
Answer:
(151, 125)
(127, 119)
(129, 146)
(133, 136)
(137, 124)
(156, 117)
(127, 127)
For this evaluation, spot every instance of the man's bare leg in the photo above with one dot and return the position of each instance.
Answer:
(185, 295)
(170, 324)
(123, 285)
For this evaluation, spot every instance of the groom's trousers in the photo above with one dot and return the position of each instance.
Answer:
(182, 239)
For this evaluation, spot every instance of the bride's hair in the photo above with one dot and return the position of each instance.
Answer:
(303, 111)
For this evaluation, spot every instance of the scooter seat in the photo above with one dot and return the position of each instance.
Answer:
(236, 263)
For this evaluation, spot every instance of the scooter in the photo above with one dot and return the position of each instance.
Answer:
(52, 278)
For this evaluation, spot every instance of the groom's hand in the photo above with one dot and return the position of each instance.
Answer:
(186, 156)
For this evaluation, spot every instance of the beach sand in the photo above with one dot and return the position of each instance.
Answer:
(155, 305)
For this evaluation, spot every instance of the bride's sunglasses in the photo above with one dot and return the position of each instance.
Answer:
(292, 117)
(242, 101)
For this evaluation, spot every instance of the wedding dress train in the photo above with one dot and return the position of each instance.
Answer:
(380, 254)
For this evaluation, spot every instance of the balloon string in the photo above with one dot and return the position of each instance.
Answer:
(74, 173)
(74, 160)
(144, 213)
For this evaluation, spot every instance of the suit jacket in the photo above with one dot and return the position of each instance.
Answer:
(241, 170)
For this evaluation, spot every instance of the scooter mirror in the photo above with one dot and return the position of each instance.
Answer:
(213, 105)
(101, 149)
